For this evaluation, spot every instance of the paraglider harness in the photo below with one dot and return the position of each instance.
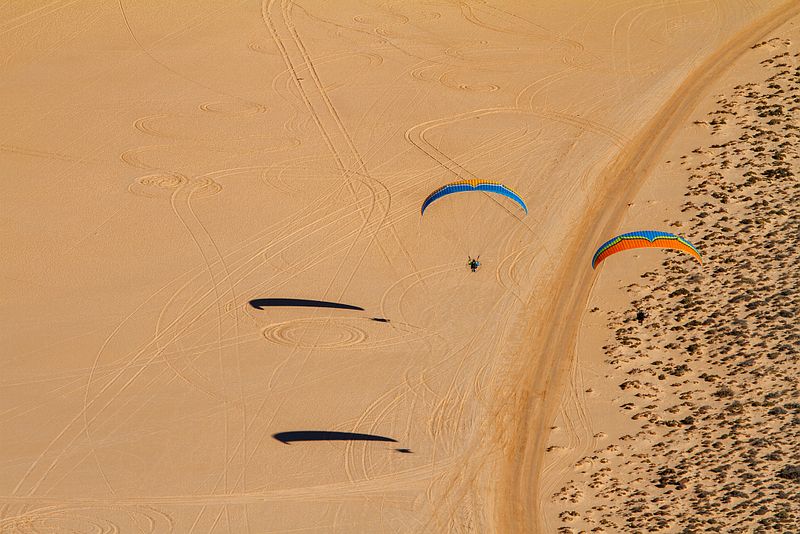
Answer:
(473, 263)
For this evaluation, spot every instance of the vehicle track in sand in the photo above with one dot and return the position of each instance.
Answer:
(329, 123)
(102, 518)
(180, 193)
(535, 402)
(173, 330)
(333, 139)
(147, 49)
(34, 14)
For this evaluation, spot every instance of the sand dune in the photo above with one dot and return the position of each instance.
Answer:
(222, 310)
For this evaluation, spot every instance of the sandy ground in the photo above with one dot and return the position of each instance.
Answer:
(687, 420)
(167, 163)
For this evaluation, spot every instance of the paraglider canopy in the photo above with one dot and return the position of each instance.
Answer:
(644, 239)
(464, 186)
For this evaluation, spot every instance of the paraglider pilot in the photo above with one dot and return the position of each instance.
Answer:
(473, 263)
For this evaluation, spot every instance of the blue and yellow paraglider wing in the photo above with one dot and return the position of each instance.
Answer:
(473, 185)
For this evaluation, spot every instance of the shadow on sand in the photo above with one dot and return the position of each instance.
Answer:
(260, 304)
(324, 435)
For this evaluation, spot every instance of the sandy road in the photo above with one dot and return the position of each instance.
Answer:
(535, 404)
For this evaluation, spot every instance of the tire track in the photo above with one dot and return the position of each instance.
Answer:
(34, 14)
(131, 361)
(149, 54)
(359, 164)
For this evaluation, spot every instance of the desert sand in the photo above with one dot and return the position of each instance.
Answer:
(177, 171)
(685, 418)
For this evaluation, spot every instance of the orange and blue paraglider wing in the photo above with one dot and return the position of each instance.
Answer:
(473, 185)
(644, 239)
